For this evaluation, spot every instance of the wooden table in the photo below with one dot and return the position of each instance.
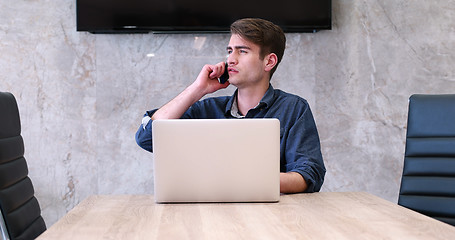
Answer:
(325, 215)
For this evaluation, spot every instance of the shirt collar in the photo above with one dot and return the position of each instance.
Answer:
(266, 101)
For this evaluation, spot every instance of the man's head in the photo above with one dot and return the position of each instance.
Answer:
(268, 36)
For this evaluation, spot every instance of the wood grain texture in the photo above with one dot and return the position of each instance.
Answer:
(325, 215)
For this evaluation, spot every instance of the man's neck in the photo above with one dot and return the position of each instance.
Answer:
(249, 98)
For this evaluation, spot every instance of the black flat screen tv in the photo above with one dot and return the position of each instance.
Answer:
(180, 16)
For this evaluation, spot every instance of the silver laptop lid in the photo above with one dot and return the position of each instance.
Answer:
(216, 160)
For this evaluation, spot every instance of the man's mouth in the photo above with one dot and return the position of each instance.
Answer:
(232, 70)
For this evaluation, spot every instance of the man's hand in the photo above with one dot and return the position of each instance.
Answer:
(207, 80)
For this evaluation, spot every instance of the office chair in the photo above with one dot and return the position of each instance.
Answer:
(428, 181)
(20, 209)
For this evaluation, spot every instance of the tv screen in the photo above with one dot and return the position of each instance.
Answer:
(141, 16)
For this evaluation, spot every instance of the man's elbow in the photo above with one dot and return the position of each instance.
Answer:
(292, 182)
(143, 141)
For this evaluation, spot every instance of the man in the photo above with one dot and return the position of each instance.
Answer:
(255, 49)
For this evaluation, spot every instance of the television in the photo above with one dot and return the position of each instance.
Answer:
(190, 16)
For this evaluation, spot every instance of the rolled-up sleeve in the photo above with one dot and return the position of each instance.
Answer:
(144, 133)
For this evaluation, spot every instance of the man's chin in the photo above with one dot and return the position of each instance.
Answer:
(232, 81)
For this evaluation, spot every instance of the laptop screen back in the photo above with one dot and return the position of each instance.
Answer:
(216, 160)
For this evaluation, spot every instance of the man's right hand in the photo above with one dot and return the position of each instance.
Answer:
(207, 80)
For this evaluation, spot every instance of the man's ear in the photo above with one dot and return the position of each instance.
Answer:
(270, 61)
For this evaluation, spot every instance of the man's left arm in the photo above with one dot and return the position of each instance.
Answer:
(305, 168)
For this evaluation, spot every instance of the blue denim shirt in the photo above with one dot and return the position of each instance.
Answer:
(299, 140)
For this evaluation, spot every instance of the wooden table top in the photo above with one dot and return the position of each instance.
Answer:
(324, 215)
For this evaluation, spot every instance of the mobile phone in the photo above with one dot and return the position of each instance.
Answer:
(223, 78)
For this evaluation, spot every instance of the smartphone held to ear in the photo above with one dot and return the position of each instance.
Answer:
(223, 78)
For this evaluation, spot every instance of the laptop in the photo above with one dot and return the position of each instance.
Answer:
(216, 160)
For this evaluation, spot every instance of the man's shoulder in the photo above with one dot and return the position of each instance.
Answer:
(289, 98)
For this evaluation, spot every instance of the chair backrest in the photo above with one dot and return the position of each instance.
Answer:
(3, 232)
(428, 182)
(20, 208)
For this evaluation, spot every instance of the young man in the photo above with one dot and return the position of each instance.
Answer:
(254, 52)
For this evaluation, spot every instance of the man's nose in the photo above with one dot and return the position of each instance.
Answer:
(231, 59)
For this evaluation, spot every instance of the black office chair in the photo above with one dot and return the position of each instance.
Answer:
(428, 182)
(19, 207)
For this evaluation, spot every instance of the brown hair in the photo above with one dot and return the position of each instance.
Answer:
(267, 35)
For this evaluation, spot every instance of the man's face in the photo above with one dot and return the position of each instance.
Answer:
(246, 68)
